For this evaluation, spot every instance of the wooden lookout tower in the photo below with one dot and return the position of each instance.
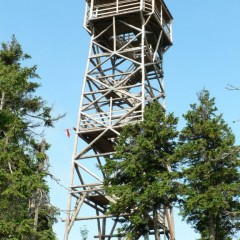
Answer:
(124, 72)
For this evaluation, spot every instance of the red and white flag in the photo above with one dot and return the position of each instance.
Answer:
(68, 132)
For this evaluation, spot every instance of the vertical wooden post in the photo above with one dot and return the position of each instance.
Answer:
(110, 112)
(161, 14)
(143, 64)
(117, 5)
(99, 226)
(104, 221)
(114, 35)
(172, 222)
(153, 6)
(91, 10)
(141, 5)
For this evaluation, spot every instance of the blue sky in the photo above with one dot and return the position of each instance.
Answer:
(206, 54)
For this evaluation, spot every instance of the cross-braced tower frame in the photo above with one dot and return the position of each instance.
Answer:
(124, 72)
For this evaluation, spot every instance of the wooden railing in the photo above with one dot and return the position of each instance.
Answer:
(166, 26)
(126, 6)
(117, 7)
(103, 119)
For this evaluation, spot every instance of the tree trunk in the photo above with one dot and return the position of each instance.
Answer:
(146, 235)
(2, 101)
(211, 229)
(36, 213)
(156, 225)
(39, 194)
(9, 163)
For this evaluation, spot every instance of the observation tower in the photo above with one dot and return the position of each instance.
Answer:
(124, 72)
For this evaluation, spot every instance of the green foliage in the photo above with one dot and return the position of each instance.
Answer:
(138, 174)
(25, 212)
(209, 160)
(84, 232)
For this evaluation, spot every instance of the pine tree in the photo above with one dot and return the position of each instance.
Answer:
(25, 210)
(138, 174)
(210, 167)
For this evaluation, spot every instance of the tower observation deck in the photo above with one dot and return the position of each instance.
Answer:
(124, 72)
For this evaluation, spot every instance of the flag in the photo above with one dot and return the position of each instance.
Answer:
(68, 132)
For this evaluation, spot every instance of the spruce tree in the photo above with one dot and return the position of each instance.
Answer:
(138, 175)
(25, 210)
(210, 170)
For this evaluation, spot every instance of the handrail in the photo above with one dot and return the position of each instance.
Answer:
(114, 8)
(126, 6)
(89, 123)
(98, 120)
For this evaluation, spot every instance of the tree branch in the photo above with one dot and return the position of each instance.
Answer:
(231, 87)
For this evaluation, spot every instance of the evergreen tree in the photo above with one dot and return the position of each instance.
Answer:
(138, 174)
(84, 232)
(25, 211)
(210, 165)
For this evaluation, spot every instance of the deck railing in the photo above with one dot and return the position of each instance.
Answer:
(126, 6)
(101, 120)
(117, 7)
